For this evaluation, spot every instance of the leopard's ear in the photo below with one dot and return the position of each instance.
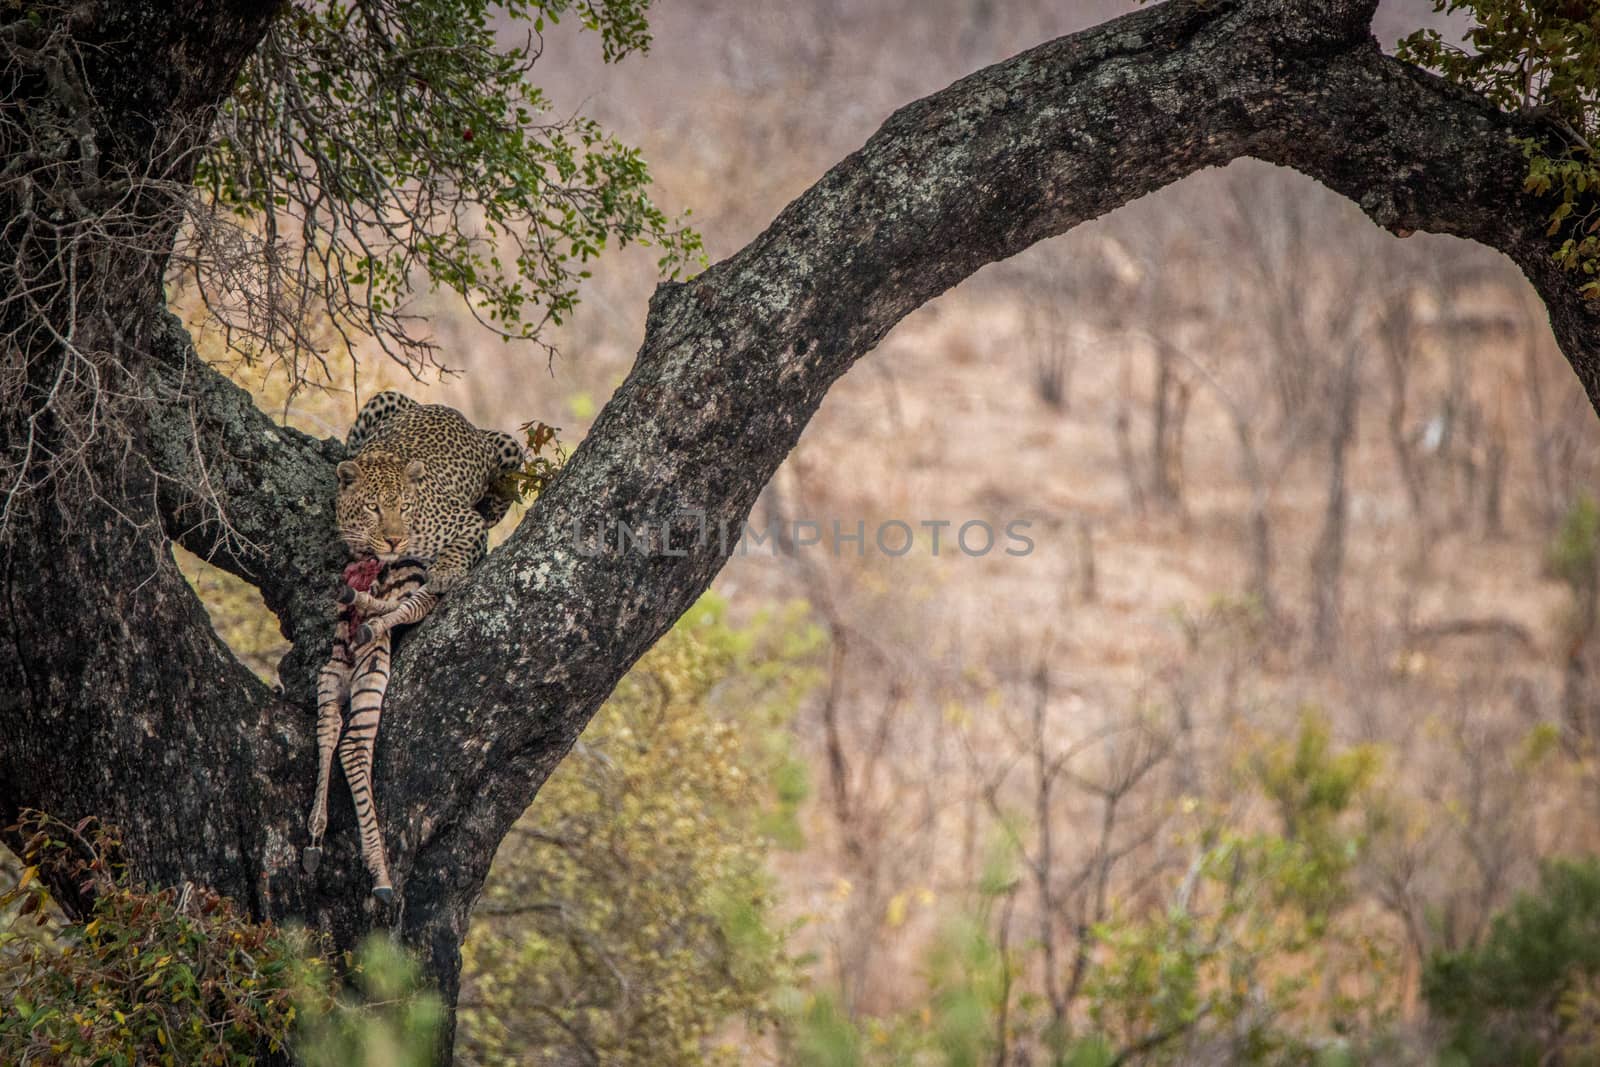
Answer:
(416, 470)
(349, 474)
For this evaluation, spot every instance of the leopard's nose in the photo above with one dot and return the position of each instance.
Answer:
(396, 543)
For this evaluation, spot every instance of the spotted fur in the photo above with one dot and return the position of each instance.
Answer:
(421, 484)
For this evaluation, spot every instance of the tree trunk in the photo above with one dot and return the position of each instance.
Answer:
(1161, 432)
(1397, 339)
(1327, 558)
(117, 699)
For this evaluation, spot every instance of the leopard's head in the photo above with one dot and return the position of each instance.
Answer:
(377, 504)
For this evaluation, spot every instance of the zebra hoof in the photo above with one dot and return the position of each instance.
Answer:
(311, 858)
(347, 595)
(384, 894)
(364, 636)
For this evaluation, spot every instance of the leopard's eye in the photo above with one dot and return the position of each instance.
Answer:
(372, 507)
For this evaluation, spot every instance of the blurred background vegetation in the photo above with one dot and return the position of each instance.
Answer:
(1279, 748)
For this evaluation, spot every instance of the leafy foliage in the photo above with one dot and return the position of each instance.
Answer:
(628, 915)
(147, 977)
(1313, 786)
(176, 977)
(1544, 57)
(546, 455)
(1530, 994)
(1253, 923)
(382, 142)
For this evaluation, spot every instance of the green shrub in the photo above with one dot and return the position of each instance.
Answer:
(180, 977)
(147, 977)
(1530, 993)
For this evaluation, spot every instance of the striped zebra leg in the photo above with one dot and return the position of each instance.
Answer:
(413, 607)
(367, 603)
(333, 687)
(367, 686)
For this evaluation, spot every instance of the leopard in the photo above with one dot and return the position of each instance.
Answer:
(414, 507)
(423, 483)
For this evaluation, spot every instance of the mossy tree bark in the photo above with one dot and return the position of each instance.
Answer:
(117, 699)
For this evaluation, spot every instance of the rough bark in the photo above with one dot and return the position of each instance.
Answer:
(115, 698)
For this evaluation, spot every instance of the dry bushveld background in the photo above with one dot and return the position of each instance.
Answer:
(1308, 503)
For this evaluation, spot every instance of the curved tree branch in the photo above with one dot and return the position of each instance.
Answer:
(253, 497)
